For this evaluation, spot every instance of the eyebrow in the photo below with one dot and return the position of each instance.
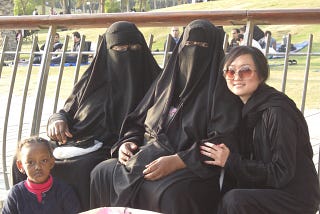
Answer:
(240, 65)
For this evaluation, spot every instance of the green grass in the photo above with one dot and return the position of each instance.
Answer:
(295, 73)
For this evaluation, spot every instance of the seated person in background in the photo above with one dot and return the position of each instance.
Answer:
(243, 42)
(234, 38)
(158, 166)
(35, 12)
(241, 39)
(57, 45)
(19, 35)
(70, 58)
(263, 41)
(175, 36)
(273, 168)
(40, 193)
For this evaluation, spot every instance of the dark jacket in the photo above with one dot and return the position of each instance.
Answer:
(275, 148)
(59, 199)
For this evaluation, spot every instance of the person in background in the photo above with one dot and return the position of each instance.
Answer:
(57, 45)
(52, 11)
(175, 36)
(241, 39)
(35, 12)
(234, 38)
(273, 168)
(70, 58)
(263, 41)
(40, 193)
(19, 35)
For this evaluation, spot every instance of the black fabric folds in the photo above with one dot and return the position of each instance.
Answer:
(111, 87)
(205, 109)
(275, 153)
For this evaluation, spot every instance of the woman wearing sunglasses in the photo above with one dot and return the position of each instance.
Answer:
(273, 169)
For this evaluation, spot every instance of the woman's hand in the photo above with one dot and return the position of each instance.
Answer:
(219, 153)
(162, 167)
(59, 131)
(126, 150)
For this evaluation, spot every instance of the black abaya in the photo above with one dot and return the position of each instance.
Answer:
(110, 88)
(274, 170)
(205, 109)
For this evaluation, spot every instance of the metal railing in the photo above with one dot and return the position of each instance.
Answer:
(145, 19)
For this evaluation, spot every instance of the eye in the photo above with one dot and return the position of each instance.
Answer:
(135, 47)
(203, 44)
(30, 162)
(120, 48)
(200, 44)
(188, 43)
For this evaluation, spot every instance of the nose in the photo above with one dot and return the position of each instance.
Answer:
(237, 76)
(38, 165)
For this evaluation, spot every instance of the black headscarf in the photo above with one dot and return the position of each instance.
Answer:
(112, 86)
(205, 110)
(193, 83)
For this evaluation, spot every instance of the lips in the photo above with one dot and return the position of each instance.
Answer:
(238, 84)
(38, 174)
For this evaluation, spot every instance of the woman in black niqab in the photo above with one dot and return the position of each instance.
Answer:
(159, 166)
(110, 88)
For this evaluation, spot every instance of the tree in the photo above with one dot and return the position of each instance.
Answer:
(102, 5)
(112, 6)
(23, 7)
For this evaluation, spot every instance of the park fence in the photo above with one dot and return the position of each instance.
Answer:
(24, 111)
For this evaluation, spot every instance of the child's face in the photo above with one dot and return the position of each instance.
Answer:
(36, 162)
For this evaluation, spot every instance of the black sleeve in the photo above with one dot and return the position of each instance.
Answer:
(280, 133)
(10, 204)
(133, 127)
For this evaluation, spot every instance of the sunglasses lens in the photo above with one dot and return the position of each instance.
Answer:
(245, 73)
(229, 74)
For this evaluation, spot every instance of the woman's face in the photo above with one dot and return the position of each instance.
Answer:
(242, 78)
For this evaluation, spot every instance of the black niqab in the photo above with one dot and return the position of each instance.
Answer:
(112, 86)
(206, 109)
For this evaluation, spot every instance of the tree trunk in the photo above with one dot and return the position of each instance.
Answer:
(140, 5)
(128, 5)
(102, 2)
(43, 8)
